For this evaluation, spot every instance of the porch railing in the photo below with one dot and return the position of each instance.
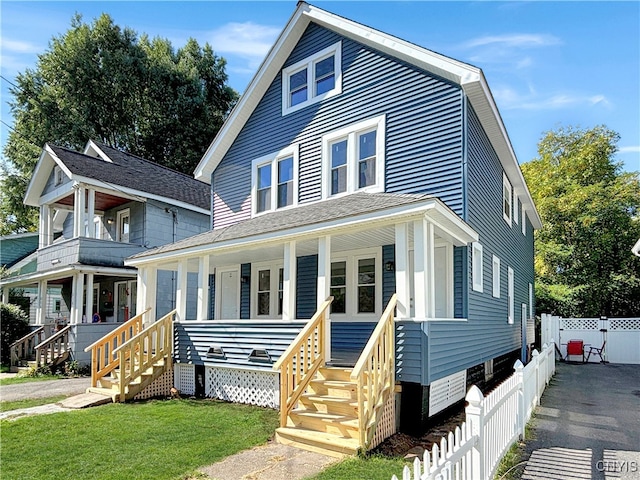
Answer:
(53, 347)
(103, 357)
(25, 347)
(302, 359)
(375, 374)
(141, 352)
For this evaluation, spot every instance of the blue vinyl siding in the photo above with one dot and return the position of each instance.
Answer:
(411, 352)
(388, 277)
(424, 120)
(212, 296)
(459, 282)
(307, 286)
(487, 334)
(245, 291)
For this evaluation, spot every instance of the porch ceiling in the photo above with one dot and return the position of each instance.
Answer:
(104, 201)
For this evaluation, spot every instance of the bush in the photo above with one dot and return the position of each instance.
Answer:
(14, 324)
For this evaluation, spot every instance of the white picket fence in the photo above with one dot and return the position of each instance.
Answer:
(493, 423)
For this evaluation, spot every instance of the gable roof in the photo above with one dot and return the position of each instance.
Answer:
(469, 78)
(121, 171)
(322, 215)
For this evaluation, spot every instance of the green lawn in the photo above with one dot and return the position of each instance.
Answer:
(30, 402)
(21, 379)
(374, 467)
(146, 440)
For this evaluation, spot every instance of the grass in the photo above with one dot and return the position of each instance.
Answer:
(21, 379)
(30, 402)
(146, 440)
(512, 464)
(374, 467)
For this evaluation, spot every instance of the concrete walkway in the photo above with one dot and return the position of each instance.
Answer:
(588, 425)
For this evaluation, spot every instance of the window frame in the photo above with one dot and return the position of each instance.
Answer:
(58, 176)
(516, 210)
(496, 276)
(507, 197)
(510, 295)
(273, 159)
(126, 212)
(477, 267)
(274, 268)
(352, 133)
(524, 221)
(308, 64)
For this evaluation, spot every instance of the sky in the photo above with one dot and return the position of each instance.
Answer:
(548, 64)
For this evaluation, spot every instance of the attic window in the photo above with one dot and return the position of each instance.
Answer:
(312, 79)
(260, 355)
(58, 175)
(216, 352)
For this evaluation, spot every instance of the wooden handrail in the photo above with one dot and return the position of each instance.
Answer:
(302, 359)
(53, 347)
(375, 373)
(20, 348)
(103, 358)
(142, 351)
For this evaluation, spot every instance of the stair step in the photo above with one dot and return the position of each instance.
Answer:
(334, 388)
(319, 442)
(104, 391)
(341, 425)
(329, 404)
(335, 373)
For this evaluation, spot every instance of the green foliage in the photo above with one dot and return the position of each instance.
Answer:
(99, 81)
(589, 210)
(74, 369)
(196, 433)
(14, 324)
(39, 372)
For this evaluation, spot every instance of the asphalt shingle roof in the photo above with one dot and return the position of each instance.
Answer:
(133, 172)
(301, 216)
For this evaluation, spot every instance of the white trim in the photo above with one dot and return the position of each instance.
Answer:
(477, 266)
(124, 213)
(524, 221)
(496, 276)
(308, 64)
(531, 300)
(510, 296)
(274, 271)
(351, 134)
(516, 212)
(507, 196)
(273, 159)
(218, 290)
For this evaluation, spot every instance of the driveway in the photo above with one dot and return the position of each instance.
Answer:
(588, 425)
(46, 388)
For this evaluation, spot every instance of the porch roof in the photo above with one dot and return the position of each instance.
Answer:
(324, 217)
(65, 272)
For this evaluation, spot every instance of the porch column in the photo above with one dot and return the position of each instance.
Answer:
(77, 294)
(324, 286)
(147, 293)
(402, 271)
(5, 294)
(78, 212)
(89, 303)
(203, 287)
(324, 268)
(431, 270)
(289, 282)
(45, 226)
(424, 263)
(91, 212)
(49, 226)
(41, 309)
(181, 290)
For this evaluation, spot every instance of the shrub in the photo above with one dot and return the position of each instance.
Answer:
(14, 324)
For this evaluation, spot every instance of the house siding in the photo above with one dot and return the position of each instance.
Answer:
(245, 291)
(424, 120)
(306, 286)
(487, 334)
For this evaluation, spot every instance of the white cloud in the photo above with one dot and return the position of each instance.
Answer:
(18, 46)
(247, 40)
(516, 40)
(630, 149)
(509, 99)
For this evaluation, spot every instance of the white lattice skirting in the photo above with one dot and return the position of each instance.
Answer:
(387, 424)
(243, 386)
(185, 378)
(160, 387)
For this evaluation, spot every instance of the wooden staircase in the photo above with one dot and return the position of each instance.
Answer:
(36, 349)
(331, 410)
(127, 360)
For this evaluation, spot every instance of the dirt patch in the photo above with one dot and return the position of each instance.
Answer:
(403, 445)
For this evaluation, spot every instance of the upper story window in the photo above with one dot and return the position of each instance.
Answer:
(524, 221)
(496, 277)
(58, 176)
(275, 180)
(353, 158)
(477, 267)
(515, 207)
(312, 79)
(507, 198)
(122, 225)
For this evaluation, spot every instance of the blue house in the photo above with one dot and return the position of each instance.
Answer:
(358, 175)
(97, 207)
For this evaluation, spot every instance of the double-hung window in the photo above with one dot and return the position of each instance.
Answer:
(356, 284)
(507, 198)
(267, 290)
(312, 79)
(477, 267)
(274, 180)
(353, 158)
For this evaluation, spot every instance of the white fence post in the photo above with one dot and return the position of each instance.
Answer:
(522, 409)
(475, 419)
(534, 358)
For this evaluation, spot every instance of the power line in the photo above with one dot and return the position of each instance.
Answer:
(8, 81)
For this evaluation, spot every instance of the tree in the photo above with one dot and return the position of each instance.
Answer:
(589, 209)
(102, 82)
(15, 325)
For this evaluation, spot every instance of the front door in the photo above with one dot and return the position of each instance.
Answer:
(229, 295)
(126, 300)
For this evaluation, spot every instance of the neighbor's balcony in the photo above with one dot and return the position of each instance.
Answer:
(88, 251)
